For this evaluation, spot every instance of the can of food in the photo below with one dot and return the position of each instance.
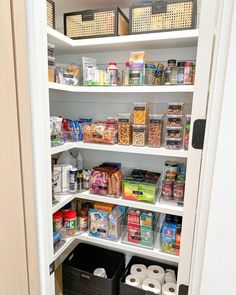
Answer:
(83, 220)
(57, 221)
(171, 170)
(73, 180)
(178, 190)
(182, 168)
(70, 218)
(167, 189)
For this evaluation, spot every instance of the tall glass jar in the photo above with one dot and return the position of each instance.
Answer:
(188, 73)
(180, 75)
(171, 72)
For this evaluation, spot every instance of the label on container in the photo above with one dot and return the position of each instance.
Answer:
(124, 120)
(134, 75)
(155, 121)
(137, 193)
(139, 108)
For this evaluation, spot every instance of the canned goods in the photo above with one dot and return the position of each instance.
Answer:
(167, 189)
(178, 190)
(73, 180)
(182, 168)
(171, 170)
(70, 218)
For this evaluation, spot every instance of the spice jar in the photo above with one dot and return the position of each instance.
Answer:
(175, 108)
(188, 73)
(180, 74)
(83, 220)
(155, 130)
(167, 189)
(178, 190)
(113, 71)
(159, 74)
(187, 131)
(140, 113)
(139, 135)
(171, 72)
(70, 219)
(124, 129)
(57, 221)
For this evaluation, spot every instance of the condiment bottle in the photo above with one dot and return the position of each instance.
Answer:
(70, 219)
(188, 73)
(80, 180)
(83, 220)
(180, 75)
(113, 70)
(171, 72)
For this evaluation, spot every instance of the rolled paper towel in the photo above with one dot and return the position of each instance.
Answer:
(156, 272)
(133, 281)
(100, 272)
(169, 289)
(139, 270)
(152, 285)
(170, 276)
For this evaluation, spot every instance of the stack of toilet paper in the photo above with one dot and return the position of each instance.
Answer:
(152, 279)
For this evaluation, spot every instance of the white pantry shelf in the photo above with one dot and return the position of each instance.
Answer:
(120, 149)
(67, 243)
(122, 89)
(174, 39)
(154, 254)
(62, 199)
(166, 207)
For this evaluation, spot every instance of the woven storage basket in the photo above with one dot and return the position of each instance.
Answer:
(51, 14)
(96, 23)
(163, 15)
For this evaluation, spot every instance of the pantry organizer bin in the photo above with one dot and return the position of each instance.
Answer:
(79, 266)
(51, 13)
(164, 15)
(96, 23)
(127, 289)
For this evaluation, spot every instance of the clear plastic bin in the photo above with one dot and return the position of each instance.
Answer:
(140, 113)
(174, 143)
(155, 130)
(124, 129)
(175, 108)
(139, 135)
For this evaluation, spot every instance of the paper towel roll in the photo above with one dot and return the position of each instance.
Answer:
(152, 285)
(133, 281)
(170, 276)
(156, 272)
(139, 270)
(169, 289)
(100, 272)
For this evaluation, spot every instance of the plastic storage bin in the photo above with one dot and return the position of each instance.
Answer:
(79, 266)
(130, 290)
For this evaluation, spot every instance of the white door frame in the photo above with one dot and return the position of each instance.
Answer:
(214, 256)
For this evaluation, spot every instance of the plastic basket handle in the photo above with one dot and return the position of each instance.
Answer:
(159, 6)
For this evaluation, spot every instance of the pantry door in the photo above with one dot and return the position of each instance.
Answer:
(18, 243)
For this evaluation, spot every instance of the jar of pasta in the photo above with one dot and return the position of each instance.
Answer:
(124, 129)
(155, 130)
(139, 135)
(140, 113)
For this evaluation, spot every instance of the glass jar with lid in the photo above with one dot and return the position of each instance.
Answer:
(180, 75)
(171, 72)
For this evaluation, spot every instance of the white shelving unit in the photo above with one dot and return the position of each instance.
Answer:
(73, 102)
(120, 149)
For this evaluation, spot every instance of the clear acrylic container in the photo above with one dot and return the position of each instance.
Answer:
(155, 130)
(174, 143)
(174, 120)
(124, 129)
(139, 135)
(175, 108)
(174, 132)
(140, 114)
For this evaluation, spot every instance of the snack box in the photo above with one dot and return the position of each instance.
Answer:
(98, 224)
(168, 238)
(133, 216)
(134, 233)
(147, 236)
(140, 190)
(147, 220)
(104, 207)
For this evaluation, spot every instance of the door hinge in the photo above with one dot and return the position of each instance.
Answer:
(199, 127)
(183, 290)
(52, 268)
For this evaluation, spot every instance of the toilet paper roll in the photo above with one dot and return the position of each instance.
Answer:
(100, 272)
(156, 272)
(139, 270)
(169, 289)
(170, 276)
(133, 281)
(152, 285)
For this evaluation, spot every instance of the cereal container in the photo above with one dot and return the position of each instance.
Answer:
(124, 129)
(140, 113)
(155, 130)
(139, 135)
(174, 120)
(175, 108)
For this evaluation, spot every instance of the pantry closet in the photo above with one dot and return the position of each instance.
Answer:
(50, 98)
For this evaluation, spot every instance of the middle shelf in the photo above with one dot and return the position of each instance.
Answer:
(168, 207)
(120, 148)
